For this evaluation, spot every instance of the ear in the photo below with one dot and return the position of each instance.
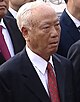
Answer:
(24, 32)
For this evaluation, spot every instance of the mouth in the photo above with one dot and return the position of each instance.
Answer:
(2, 6)
(54, 42)
(2, 9)
(53, 45)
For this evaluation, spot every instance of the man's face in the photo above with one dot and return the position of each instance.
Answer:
(45, 33)
(3, 7)
(76, 4)
(19, 3)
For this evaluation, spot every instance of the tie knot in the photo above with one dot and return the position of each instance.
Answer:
(49, 66)
(0, 26)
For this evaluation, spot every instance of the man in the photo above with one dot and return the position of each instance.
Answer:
(14, 6)
(69, 21)
(25, 77)
(12, 36)
(74, 56)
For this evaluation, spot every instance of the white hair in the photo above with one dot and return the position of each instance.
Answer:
(25, 11)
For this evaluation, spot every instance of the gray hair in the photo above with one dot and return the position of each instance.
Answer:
(24, 13)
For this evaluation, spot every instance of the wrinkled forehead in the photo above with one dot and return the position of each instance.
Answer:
(44, 9)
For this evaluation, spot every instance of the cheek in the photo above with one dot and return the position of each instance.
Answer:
(59, 32)
(77, 4)
(34, 41)
(40, 43)
(7, 4)
(44, 42)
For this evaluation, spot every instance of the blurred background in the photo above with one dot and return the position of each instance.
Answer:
(58, 5)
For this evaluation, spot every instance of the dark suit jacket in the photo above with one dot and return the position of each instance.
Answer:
(16, 36)
(74, 56)
(9, 14)
(19, 81)
(69, 34)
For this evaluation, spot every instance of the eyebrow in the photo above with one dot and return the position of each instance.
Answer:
(56, 20)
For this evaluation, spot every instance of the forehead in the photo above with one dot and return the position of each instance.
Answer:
(44, 14)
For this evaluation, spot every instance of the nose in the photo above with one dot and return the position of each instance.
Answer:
(54, 32)
(56, 29)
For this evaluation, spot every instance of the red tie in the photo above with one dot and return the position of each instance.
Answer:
(3, 46)
(52, 85)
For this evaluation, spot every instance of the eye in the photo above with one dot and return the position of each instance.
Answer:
(57, 24)
(46, 27)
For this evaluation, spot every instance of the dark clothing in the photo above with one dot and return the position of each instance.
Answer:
(19, 82)
(9, 14)
(74, 56)
(69, 34)
(15, 35)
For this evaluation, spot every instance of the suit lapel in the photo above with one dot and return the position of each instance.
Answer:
(59, 75)
(9, 14)
(70, 24)
(15, 35)
(32, 81)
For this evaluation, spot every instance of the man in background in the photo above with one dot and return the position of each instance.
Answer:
(74, 56)
(70, 26)
(11, 36)
(14, 6)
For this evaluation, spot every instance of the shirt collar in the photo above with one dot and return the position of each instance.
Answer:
(37, 61)
(13, 12)
(2, 23)
(76, 21)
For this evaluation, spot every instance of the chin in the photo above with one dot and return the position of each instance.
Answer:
(54, 51)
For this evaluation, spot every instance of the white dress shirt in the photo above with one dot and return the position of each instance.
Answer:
(76, 21)
(13, 12)
(40, 66)
(7, 38)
